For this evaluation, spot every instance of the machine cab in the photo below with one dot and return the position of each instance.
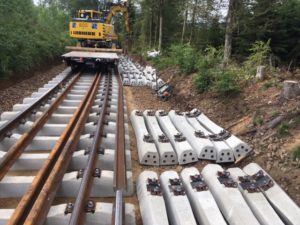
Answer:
(89, 15)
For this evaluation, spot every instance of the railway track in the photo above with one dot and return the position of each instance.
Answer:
(64, 142)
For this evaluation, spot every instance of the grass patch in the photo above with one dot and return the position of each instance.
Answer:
(258, 121)
(283, 129)
(275, 114)
(297, 120)
(270, 84)
(296, 152)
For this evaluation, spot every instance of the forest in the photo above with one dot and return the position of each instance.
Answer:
(196, 35)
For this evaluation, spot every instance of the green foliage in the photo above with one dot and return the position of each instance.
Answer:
(204, 80)
(206, 65)
(258, 121)
(285, 41)
(283, 129)
(29, 35)
(260, 52)
(223, 82)
(162, 62)
(296, 152)
(184, 56)
(210, 58)
(212, 77)
(259, 21)
(226, 83)
(275, 114)
(271, 83)
(264, 20)
(297, 120)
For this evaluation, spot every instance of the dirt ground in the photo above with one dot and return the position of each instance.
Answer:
(13, 90)
(238, 114)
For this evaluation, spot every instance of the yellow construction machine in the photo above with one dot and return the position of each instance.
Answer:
(97, 40)
(94, 28)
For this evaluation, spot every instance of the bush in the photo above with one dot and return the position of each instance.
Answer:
(226, 83)
(206, 65)
(162, 62)
(223, 82)
(203, 81)
(185, 57)
(212, 57)
(260, 52)
(211, 76)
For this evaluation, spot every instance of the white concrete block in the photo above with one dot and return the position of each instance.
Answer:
(16, 186)
(259, 205)
(229, 199)
(38, 143)
(108, 141)
(56, 216)
(239, 147)
(126, 81)
(202, 201)
(204, 134)
(184, 151)
(280, 201)
(178, 206)
(199, 145)
(152, 205)
(32, 162)
(163, 145)
(147, 151)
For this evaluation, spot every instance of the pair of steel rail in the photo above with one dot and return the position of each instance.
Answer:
(35, 204)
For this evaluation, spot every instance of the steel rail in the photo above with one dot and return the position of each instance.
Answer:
(16, 150)
(40, 209)
(120, 178)
(78, 213)
(27, 205)
(7, 127)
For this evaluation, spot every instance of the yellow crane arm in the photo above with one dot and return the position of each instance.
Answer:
(119, 9)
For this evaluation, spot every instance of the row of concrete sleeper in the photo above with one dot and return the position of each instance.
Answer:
(37, 152)
(136, 75)
(183, 137)
(247, 196)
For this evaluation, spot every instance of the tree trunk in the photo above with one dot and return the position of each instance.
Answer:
(160, 24)
(228, 33)
(260, 72)
(151, 27)
(193, 20)
(291, 89)
(156, 31)
(184, 25)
